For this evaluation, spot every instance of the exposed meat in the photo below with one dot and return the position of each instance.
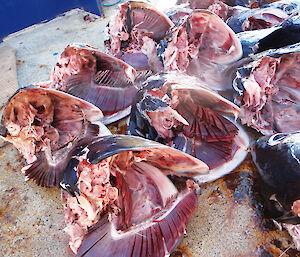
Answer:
(201, 46)
(220, 9)
(244, 19)
(96, 77)
(134, 32)
(123, 192)
(264, 19)
(177, 14)
(96, 193)
(174, 109)
(197, 4)
(269, 97)
(44, 125)
(294, 231)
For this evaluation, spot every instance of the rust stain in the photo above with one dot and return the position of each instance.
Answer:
(119, 127)
(9, 205)
(242, 187)
(182, 251)
(20, 62)
(42, 66)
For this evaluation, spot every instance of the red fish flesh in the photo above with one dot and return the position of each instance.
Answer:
(176, 110)
(134, 32)
(44, 125)
(268, 91)
(122, 201)
(202, 46)
(96, 77)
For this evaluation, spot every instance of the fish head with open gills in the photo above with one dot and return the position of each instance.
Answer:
(134, 32)
(121, 201)
(96, 77)
(176, 110)
(202, 46)
(44, 125)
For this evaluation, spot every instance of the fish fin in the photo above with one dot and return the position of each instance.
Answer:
(150, 20)
(103, 147)
(70, 178)
(109, 99)
(110, 78)
(137, 60)
(43, 173)
(92, 130)
(205, 124)
(212, 153)
(158, 238)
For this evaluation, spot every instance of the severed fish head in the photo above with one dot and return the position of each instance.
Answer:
(122, 200)
(202, 46)
(44, 125)
(96, 77)
(134, 32)
(178, 111)
(277, 160)
(268, 91)
(81, 58)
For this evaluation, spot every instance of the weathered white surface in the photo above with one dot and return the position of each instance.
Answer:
(8, 73)
(38, 47)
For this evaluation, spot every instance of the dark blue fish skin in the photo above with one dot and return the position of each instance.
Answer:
(287, 34)
(277, 159)
(281, 9)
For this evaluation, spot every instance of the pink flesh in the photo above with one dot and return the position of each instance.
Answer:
(141, 194)
(271, 95)
(294, 231)
(147, 25)
(220, 9)
(156, 236)
(96, 193)
(210, 136)
(37, 119)
(88, 60)
(44, 125)
(266, 18)
(197, 4)
(72, 61)
(209, 38)
(296, 208)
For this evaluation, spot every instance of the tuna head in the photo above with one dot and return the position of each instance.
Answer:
(277, 159)
(122, 201)
(202, 46)
(268, 90)
(178, 111)
(96, 77)
(44, 125)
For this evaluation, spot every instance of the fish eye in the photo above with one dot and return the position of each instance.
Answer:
(276, 139)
